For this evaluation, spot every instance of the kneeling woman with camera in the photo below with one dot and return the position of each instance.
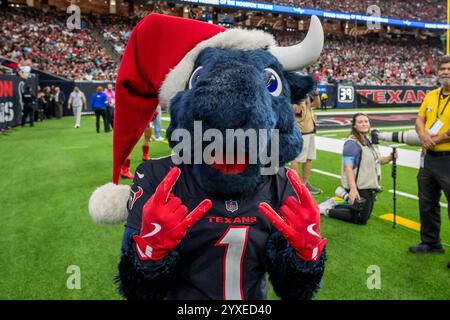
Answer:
(361, 172)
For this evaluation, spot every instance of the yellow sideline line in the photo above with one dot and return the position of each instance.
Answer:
(402, 221)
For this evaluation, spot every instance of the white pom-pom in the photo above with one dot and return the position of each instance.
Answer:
(108, 204)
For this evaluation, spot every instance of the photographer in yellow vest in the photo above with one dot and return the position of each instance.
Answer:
(433, 128)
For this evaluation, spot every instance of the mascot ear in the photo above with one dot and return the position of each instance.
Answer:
(300, 85)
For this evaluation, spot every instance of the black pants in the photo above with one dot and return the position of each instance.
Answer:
(102, 113)
(48, 112)
(432, 179)
(28, 111)
(348, 213)
(110, 115)
(58, 109)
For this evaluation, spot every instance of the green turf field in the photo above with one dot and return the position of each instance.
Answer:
(49, 172)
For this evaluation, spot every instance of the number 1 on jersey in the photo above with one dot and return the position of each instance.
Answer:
(235, 242)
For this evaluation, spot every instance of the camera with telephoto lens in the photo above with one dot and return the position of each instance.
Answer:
(409, 137)
(358, 204)
(341, 193)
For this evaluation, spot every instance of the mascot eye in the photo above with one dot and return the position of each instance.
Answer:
(273, 82)
(194, 76)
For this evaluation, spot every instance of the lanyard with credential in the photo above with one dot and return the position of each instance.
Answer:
(439, 104)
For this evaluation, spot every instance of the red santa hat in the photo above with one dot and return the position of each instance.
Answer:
(157, 63)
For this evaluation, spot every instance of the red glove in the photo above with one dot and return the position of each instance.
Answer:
(299, 222)
(164, 220)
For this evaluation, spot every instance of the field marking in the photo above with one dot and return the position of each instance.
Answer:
(397, 145)
(400, 193)
(379, 128)
(407, 158)
(401, 221)
(325, 173)
(408, 225)
(411, 196)
(413, 230)
(332, 113)
(330, 135)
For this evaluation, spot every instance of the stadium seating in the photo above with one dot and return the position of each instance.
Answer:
(425, 10)
(39, 37)
(42, 38)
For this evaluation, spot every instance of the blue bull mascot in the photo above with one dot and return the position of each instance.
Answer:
(211, 220)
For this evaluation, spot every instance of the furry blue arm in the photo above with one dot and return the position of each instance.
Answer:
(144, 280)
(292, 278)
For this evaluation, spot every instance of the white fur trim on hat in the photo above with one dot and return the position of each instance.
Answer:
(233, 39)
(108, 204)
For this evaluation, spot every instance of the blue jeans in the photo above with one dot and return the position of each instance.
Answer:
(157, 124)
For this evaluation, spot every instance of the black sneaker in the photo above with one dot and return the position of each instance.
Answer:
(313, 190)
(448, 265)
(426, 248)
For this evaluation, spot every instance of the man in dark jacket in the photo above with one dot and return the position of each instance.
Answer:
(28, 99)
(58, 99)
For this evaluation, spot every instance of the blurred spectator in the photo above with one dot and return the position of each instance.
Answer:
(323, 101)
(39, 113)
(24, 69)
(57, 99)
(157, 124)
(47, 104)
(110, 108)
(28, 100)
(99, 101)
(77, 101)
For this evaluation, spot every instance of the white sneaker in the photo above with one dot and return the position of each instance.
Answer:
(326, 206)
(159, 139)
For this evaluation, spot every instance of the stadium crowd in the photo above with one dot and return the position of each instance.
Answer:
(422, 10)
(115, 30)
(373, 61)
(32, 36)
(41, 40)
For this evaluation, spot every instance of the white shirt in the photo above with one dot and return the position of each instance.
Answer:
(77, 99)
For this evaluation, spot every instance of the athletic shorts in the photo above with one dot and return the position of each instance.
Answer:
(309, 148)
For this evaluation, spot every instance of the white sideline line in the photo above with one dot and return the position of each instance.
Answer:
(320, 113)
(400, 193)
(379, 128)
(397, 145)
(325, 173)
(406, 158)
(411, 196)
(329, 135)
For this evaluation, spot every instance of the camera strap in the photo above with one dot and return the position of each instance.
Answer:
(438, 114)
(359, 166)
